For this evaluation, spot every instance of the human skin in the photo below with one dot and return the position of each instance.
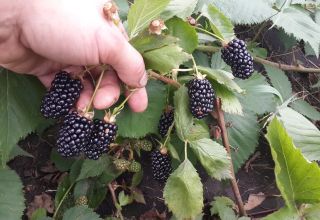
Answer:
(41, 37)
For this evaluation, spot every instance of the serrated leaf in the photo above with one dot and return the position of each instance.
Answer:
(179, 8)
(280, 81)
(187, 35)
(218, 63)
(39, 214)
(18, 151)
(222, 77)
(245, 11)
(12, 200)
(283, 214)
(19, 109)
(305, 134)
(80, 213)
(124, 199)
(257, 90)
(61, 163)
(183, 192)
(213, 158)
(306, 109)
(93, 168)
(183, 118)
(297, 179)
(137, 178)
(219, 23)
(222, 206)
(296, 21)
(166, 58)
(63, 189)
(129, 123)
(142, 12)
(243, 133)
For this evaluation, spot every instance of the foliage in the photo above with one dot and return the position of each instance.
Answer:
(177, 55)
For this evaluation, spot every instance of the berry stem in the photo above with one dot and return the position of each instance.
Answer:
(163, 79)
(285, 67)
(226, 144)
(212, 34)
(185, 150)
(168, 134)
(89, 106)
(119, 108)
(115, 202)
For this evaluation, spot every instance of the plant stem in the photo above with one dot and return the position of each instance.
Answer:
(185, 150)
(209, 33)
(163, 79)
(95, 92)
(226, 144)
(61, 201)
(114, 199)
(284, 67)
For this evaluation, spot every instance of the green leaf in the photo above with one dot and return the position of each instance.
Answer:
(305, 134)
(183, 118)
(124, 199)
(80, 213)
(219, 23)
(257, 90)
(19, 109)
(283, 214)
(297, 179)
(165, 58)
(93, 168)
(18, 151)
(142, 12)
(218, 63)
(213, 158)
(280, 81)
(12, 200)
(222, 206)
(129, 123)
(311, 212)
(296, 21)
(39, 214)
(179, 8)
(222, 77)
(183, 192)
(243, 133)
(306, 109)
(63, 164)
(62, 190)
(245, 11)
(123, 8)
(188, 38)
(137, 178)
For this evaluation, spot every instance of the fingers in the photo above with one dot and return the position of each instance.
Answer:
(138, 101)
(109, 91)
(85, 95)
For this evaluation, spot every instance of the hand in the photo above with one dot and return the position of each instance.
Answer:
(43, 37)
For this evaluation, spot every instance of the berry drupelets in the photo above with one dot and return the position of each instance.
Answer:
(61, 97)
(165, 122)
(103, 134)
(161, 166)
(236, 55)
(201, 97)
(74, 134)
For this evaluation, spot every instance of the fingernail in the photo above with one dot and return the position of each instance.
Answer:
(143, 81)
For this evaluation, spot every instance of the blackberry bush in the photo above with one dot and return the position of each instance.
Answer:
(161, 166)
(201, 97)
(165, 122)
(236, 55)
(74, 134)
(61, 97)
(103, 134)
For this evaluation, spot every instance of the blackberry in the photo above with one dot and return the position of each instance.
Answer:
(236, 55)
(165, 122)
(103, 134)
(201, 97)
(161, 166)
(61, 97)
(74, 134)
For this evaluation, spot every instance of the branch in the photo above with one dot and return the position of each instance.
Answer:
(114, 199)
(222, 124)
(284, 67)
(164, 79)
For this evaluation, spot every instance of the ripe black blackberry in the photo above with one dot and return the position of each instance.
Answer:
(201, 97)
(236, 55)
(74, 134)
(103, 134)
(161, 166)
(61, 97)
(165, 122)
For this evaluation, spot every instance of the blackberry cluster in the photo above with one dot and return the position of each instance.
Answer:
(201, 97)
(236, 55)
(165, 122)
(161, 166)
(74, 134)
(61, 97)
(103, 134)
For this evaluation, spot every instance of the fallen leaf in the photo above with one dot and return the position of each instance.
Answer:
(41, 201)
(254, 200)
(153, 214)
